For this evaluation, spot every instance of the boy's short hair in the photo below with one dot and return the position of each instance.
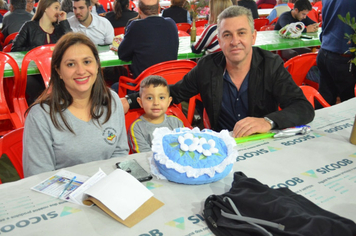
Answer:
(154, 80)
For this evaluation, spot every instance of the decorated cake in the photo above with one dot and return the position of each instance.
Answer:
(192, 156)
(116, 42)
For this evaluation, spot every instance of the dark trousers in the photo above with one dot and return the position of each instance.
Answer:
(336, 79)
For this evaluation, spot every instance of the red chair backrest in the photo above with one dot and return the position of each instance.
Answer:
(10, 117)
(42, 56)
(11, 145)
(3, 11)
(7, 48)
(259, 22)
(119, 30)
(265, 6)
(267, 27)
(313, 15)
(300, 65)
(200, 23)
(172, 71)
(291, 5)
(312, 94)
(191, 110)
(182, 33)
(184, 27)
(274, 21)
(9, 38)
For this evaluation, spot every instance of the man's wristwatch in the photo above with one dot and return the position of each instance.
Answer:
(128, 99)
(270, 121)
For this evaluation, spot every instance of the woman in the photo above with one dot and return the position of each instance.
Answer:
(177, 12)
(208, 40)
(46, 27)
(77, 119)
(97, 8)
(121, 14)
(249, 4)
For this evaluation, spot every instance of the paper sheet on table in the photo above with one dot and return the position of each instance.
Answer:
(78, 195)
(122, 193)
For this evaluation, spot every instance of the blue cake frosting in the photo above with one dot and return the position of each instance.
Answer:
(193, 156)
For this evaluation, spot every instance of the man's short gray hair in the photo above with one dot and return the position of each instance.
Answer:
(235, 11)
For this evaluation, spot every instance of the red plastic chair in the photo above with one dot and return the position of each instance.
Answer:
(191, 110)
(267, 27)
(274, 21)
(265, 6)
(312, 94)
(119, 30)
(9, 39)
(291, 5)
(10, 117)
(7, 48)
(259, 22)
(11, 145)
(172, 71)
(42, 56)
(184, 27)
(201, 23)
(299, 67)
(3, 11)
(182, 33)
(313, 15)
(200, 30)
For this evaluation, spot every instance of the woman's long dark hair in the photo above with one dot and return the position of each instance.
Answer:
(57, 97)
(120, 5)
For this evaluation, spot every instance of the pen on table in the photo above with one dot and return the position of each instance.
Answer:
(67, 186)
(254, 137)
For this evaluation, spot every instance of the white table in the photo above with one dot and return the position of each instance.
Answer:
(320, 166)
(264, 12)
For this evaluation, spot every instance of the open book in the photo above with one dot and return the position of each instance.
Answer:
(119, 194)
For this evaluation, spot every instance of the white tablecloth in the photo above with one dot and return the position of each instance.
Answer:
(321, 166)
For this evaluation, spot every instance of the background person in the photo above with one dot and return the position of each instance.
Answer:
(281, 7)
(121, 14)
(177, 12)
(97, 8)
(259, 2)
(208, 40)
(249, 4)
(67, 7)
(77, 119)
(97, 28)
(337, 73)
(15, 17)
(47, 26)
(30, 6)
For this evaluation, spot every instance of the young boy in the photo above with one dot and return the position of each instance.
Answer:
(154, 99)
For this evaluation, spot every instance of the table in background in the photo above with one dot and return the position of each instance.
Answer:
(271, 41)
(264, 12)
(108, 57)
(320, 165)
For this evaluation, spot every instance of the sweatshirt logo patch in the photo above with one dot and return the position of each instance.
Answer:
(110, 136)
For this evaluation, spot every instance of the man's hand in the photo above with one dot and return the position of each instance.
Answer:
(125, 104)
(312, 28)
(250, 125)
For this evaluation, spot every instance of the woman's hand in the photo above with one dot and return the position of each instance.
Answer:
(62, 16)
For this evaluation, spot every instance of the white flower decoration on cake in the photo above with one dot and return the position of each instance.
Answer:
(188, 142)
(207, 147)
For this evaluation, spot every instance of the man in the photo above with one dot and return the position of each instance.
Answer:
(30, 6)
(18, 15)
(242, 86)
(337, 73)
(97, 28)
(299, 13)
(149, 40)
(281, 7)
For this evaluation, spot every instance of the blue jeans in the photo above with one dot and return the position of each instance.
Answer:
(336, 79)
